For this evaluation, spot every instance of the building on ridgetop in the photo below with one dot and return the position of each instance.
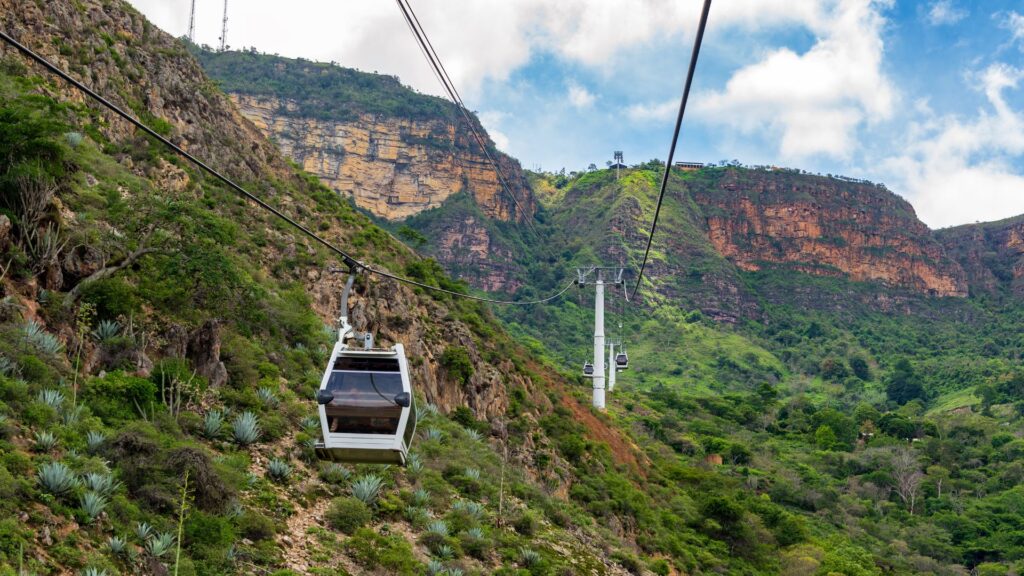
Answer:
(689, 166)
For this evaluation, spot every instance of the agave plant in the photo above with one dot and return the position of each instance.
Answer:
(93, 572)
(444, 551)
(106, 331)
(213, 421)
(432, 434)
(435, 568)
(310, 423)
(528, 557)
(94, 440)
(93, 504)
(41, 339)
(52, 398)
(279, 470)
(472, 473)
(102, 484)
(414, 465)
(367, 488)
(420, 497)
(438, 527)
(475, 533)
(143, 531)
(236, 510)
(334, 473)
(159, 544)
(246, 428)
(7, 366)
(71, 415)
(45, 441)
(415, 515)
(118, 546)
(473, 434)
(268, 397)
(472, 510)
(56, 478)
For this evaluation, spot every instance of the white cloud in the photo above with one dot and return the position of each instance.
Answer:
(958, 170)
(654, 112)
(812, 103)
(944, 13)
(491, 121)
(579, 96)
(1014, 22)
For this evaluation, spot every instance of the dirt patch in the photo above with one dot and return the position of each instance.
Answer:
(624, 451)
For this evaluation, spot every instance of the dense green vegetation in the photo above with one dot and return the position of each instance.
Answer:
(320, 90)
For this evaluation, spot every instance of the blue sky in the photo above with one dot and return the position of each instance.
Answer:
(927, 97)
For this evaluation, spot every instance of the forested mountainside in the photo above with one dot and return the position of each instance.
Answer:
(162, 339)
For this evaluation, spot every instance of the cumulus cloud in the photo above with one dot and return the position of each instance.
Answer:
(1014, 22)
(944, 13)
(491, 121)
(959, 170)
(653, 111)
(812, 103)
(579, 96)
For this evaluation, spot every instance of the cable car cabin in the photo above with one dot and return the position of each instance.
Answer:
(621, 361)
(367, 412)
(588, 370)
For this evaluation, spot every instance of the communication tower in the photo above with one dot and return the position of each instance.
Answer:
(192, 23)
(224, 29)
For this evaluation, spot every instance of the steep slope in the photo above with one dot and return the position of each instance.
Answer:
(395, 152)
(991, 253)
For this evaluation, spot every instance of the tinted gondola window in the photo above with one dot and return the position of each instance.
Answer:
(364, 391)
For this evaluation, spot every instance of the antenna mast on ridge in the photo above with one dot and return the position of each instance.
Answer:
(192, 23)
(224, 29)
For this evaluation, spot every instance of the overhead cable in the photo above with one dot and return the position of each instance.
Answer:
(675, 138)
(427, 48)
(347, 258)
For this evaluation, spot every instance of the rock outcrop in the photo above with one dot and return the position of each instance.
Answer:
(825, 226)
(392, 167)
(991, 253)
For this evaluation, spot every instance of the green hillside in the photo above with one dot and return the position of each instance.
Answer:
(162, 340)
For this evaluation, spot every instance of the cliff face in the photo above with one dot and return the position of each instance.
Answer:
(992, 254)
(824, 226)
(392, 167)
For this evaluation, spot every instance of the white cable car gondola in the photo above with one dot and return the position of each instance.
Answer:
(367, 411)
(588, 370)
(621, 361)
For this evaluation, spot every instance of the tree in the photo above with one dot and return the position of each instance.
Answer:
(825, 438)
(860, 368)
(904, 385)
(907, 475)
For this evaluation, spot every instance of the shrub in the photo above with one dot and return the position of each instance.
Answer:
(118, 396)
(456, 361)
(279, 470)
(525, 524)
(112, 297)
(246, 428)
(392, 554)
(255, 526)
(475, 543)
(367, 488)
(348, 514)
(56, 478)
(528, 557)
